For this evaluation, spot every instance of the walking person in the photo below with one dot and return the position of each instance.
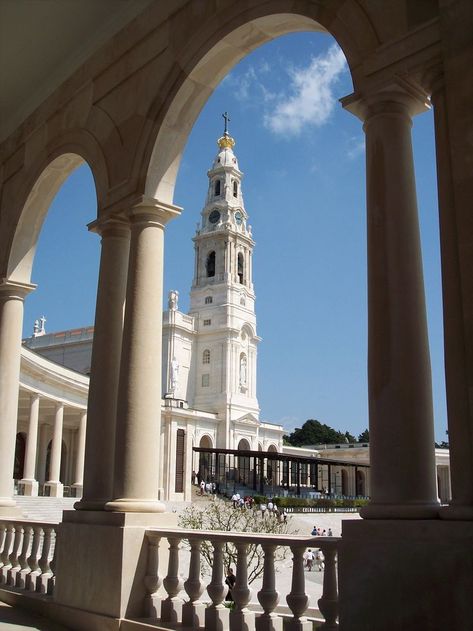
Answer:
(319, 560)
(230, 581)
(309, 559)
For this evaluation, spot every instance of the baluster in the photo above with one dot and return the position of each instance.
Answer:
(297, 599)
(46, 573)
(217, 615)
(7, 546)
(171, 608)
(193, 612)
(152, 579)
(33, 560)
(328, 603)
(14, 554)
(268, 596)
(52, 564)
(23, 558)
(3, 535)
(241, 618)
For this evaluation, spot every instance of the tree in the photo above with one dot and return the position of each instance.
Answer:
(220, 515)
(315, 433)
(364, 437)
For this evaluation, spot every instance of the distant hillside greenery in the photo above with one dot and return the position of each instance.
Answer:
(315, 433)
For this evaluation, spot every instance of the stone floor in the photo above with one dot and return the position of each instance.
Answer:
(14, 619)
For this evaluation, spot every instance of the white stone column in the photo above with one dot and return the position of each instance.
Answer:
(459, 401)
(29, 481)
(105, 364)
(402, 456)
(11, 323)
(54, 484)
(137, 445)
(80, 454)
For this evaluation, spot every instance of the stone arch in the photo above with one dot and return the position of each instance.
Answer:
(206, 442)
(209, 55)
(42, 183)
(272, 448)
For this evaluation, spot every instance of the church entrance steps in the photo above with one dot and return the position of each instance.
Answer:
(44, 508)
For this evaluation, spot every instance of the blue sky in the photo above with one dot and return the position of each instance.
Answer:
(304, 189)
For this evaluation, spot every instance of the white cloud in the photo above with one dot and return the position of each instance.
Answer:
(356, 147)
(310, 100)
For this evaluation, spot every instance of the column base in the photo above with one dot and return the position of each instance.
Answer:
(171, 610)
(125, 505)
(456, 512)
(405, 575)
(30, 487)
(107, 576)
(77, 490)
(400, 511)
(54, 489)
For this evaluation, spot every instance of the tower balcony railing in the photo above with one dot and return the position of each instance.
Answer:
(171, 600)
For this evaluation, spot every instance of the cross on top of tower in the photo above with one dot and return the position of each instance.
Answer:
(227, 119)
(226, 141)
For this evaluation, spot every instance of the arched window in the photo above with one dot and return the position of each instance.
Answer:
(217, 188)
(235, 188)
(206, 356)
(240, 270)
(210, 264)
(208, 300)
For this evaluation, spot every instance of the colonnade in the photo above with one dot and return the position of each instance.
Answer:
(36, 450)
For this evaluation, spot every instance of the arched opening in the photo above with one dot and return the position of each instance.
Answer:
(19, 462)
(241, 268)
(205, 460)
(360, 483)
(217, 188)
(344, 480)
(235, 188)
(210, 264)
(243, 465)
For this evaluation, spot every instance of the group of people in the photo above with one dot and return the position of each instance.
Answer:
(319, 532)
(207, 488)
(272, 509)
(242, 502)
(314, 556)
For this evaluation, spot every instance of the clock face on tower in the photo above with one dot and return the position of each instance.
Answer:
(214, 216)
(238, 218)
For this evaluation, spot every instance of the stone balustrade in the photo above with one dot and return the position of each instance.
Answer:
(27, 555)
(173, 601)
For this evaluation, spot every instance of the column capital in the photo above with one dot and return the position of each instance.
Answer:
(113, 225)
(10, 289)
(152, 210)
(400, 97)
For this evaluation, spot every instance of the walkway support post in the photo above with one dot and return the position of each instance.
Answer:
(12, 295)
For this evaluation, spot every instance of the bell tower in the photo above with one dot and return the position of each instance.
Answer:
(223, 298)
